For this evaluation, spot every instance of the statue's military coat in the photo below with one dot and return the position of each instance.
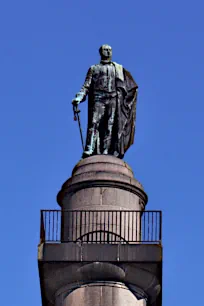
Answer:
(124, 124)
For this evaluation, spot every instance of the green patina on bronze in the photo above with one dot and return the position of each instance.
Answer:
(112, 97)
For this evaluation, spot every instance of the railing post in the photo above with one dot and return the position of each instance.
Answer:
(121, 224)
(80, 225)
(42, 228)
(160, 228)
(62, 231)
(141, 225)
(57, 238)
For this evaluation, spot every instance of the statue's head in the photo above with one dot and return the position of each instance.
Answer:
(105, 52)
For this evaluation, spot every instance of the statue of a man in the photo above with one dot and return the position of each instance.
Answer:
(112, 95)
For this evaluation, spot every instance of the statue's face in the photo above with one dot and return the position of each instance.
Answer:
(106, 52)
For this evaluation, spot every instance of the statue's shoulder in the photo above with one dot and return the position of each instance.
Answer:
(117, 65)
(91, 68)
(94, 66)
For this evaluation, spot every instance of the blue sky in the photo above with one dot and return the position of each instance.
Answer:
(46, 49)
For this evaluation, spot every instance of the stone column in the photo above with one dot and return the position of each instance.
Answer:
(100, 294)
(101, 259)
(102, 202)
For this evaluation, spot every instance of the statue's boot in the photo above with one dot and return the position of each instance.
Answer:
(107, 144)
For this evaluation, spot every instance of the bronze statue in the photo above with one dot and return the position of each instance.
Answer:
(112, 96)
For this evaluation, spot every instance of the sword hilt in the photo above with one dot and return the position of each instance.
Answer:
(76, 111)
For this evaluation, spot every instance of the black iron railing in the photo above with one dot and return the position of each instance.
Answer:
(99, 226)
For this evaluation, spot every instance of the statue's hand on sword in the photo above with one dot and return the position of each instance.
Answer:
(76, 101)
(76, 111)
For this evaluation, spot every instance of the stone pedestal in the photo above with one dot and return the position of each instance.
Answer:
(99, 201)
(102, 183)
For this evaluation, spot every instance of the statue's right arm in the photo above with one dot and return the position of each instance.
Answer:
(81, 95)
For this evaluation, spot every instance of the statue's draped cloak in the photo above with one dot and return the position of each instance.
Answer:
(124, 123)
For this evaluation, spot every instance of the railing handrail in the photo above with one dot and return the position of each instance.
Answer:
(104, 210)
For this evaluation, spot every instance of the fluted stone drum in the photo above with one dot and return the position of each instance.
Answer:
(102, 202)
(103, 294)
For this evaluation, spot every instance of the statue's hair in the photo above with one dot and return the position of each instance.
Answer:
(100, 49)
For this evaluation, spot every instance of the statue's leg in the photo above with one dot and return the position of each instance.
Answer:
(110, 109)
(98, 113)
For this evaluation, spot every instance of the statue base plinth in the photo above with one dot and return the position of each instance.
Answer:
(102, 182)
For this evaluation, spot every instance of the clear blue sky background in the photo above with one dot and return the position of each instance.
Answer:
(46, 49)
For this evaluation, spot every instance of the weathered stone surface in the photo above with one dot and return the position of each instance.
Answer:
(102, 180)
(100, 183)
(103, 294)
(66, 264)
(146, 253)
(104, 163)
